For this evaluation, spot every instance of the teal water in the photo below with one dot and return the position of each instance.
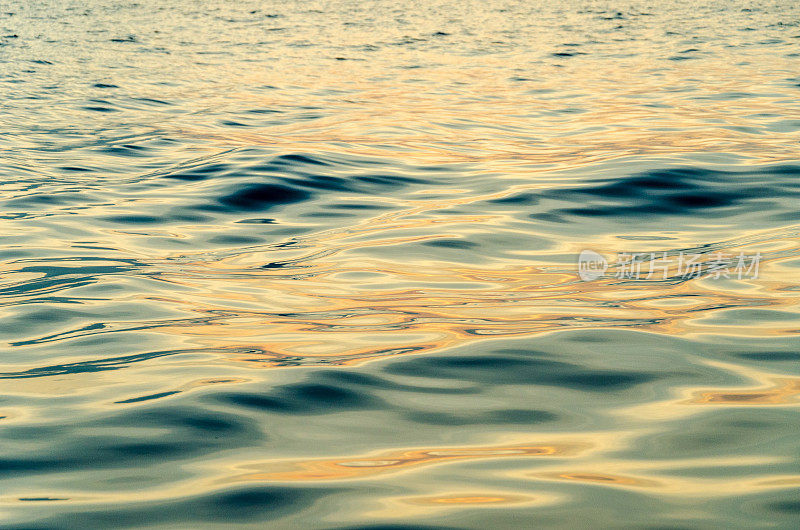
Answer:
(294, 265)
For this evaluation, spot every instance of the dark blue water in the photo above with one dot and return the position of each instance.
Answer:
(292, 265)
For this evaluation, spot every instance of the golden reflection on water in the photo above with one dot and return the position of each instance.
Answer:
(332, 321)
(524, 121)
(394, 461)
(662, 484)
(767, 390)
(783, 392)
(519, 120)
(469, 499)
(454, 500)
(310, 309)
(604, 478)
(772, 389)
(409, 307)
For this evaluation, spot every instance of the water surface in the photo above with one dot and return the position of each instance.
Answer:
(313, 265)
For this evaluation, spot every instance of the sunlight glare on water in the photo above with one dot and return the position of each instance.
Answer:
(313, 265)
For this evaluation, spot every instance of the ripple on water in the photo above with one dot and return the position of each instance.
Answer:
(315, 267)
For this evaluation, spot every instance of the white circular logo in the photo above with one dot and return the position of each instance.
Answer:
(591, 265)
